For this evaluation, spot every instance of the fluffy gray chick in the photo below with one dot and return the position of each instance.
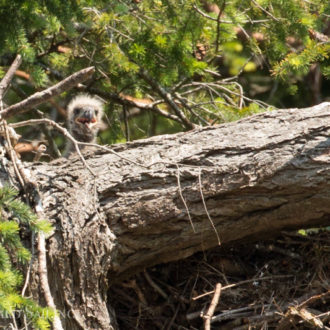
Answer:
(84, 120)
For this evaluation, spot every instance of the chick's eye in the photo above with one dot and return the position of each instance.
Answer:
(76, 111)
(96, 112)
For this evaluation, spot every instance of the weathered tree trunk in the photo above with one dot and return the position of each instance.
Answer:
(256, 176)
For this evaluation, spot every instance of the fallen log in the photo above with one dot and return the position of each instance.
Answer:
(179, 194)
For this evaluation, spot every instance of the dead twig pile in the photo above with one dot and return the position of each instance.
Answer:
(279, 284)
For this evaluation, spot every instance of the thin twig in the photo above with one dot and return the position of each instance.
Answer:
(28, 272)
(243, 282)
(204, 204)
(183, 200)
(14, 325)
(155, 286)
(168, 99)
(314, 298)
(218, 85)
(184, 102)
(76, 143)
(228, 22)
(42, 270)
(265, 11)
(11, 153)
(217, 43)
(238, 312)
(227, 314)
(241, 100)
(63, 130)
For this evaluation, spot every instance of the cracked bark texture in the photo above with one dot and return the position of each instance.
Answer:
(258, 176)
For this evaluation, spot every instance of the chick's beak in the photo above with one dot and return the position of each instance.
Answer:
(88, 114)
(87, 117)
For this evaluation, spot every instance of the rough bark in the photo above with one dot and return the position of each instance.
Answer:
(258, 176)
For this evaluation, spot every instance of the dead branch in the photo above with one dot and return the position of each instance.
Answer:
(168, 99)
(76, 143)
(48, 93)
(42, 263)
(257, 279)
(63, 130)
(9, 75)
(52, 147)
(207, 317)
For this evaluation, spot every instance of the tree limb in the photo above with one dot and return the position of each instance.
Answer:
(48, 93)
(130, 102)
(9, 75)
(125, 101)
(168, 99)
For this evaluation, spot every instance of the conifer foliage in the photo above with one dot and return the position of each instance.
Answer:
(15, 215)
(213, 58)
(181, 63)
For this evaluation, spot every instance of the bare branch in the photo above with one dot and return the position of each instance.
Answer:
(48, 93)
(218, 85)
(44, 279)
(52, 147)
(76, 143)
(228, 22)
(217, 41)
(207, 317)
(205, 207)
(152, 106)
(265, 11)
(184, 102)
(9, 75)
(183, 200)
(63, 130)
(120, 99)
(168, 99)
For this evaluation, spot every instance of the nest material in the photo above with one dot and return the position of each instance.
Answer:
(281, 284)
